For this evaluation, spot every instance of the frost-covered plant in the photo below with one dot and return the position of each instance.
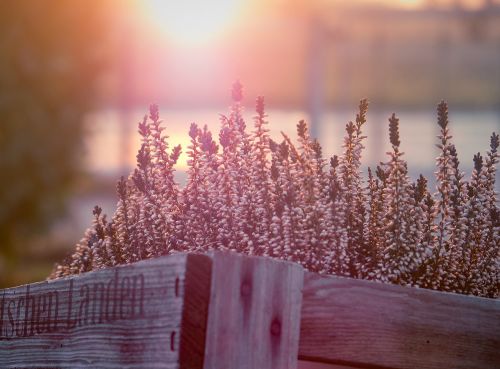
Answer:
(352, 199)
(402, 251)
(251, 194)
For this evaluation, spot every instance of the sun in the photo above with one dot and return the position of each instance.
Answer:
(411, 4)
(192, 22)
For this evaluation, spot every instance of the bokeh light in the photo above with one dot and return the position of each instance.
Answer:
(193, 22)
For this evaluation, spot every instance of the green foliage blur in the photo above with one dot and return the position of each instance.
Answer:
(51, 55)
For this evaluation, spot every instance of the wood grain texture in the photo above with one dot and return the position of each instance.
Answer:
(124, 317)
(316, 365)
(195, 312)
(225, 311)
(371, 325)
(254, 313)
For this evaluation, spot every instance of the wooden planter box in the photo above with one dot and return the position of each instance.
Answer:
(226, 310)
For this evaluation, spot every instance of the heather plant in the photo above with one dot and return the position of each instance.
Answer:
(250, 194)
(402, 249)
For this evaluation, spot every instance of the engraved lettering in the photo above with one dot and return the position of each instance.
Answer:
(70, 323)
(34, 313)
(19, 324)
(111, 297)
(42, 308)
(1, 314)
(30, 301)
(124, 297)
(12, 304)
(83, 312)
(138, 287)
(98, 289)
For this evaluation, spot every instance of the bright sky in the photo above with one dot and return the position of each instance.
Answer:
(414, 4)
(197, 22)
(193, 22)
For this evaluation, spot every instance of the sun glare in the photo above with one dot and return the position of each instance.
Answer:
(411, 3)
(193, 22)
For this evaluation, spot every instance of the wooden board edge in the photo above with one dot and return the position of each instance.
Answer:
(258, 299)
(197, 287)
(427, 298)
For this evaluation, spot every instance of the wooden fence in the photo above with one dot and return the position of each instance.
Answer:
(226, 310)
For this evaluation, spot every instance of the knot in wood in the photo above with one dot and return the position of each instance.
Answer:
(246, 288)
(276, 327)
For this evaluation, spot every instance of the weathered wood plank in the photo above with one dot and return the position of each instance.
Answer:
(316, 365)
(197, 287)
(254, 313)
(123, 317)
(368, 324)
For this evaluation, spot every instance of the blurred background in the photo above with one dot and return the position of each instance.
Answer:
(77, 75)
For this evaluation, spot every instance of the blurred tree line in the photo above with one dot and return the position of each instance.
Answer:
(52, 53)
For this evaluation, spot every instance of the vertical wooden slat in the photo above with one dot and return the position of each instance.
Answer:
(195, 311)
(315, 365)
(254, 313)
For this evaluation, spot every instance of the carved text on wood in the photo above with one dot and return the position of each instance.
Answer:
(28, 314)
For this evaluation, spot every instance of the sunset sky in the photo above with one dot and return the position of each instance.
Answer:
(212, 18)
(305, 56)
(187, 53)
